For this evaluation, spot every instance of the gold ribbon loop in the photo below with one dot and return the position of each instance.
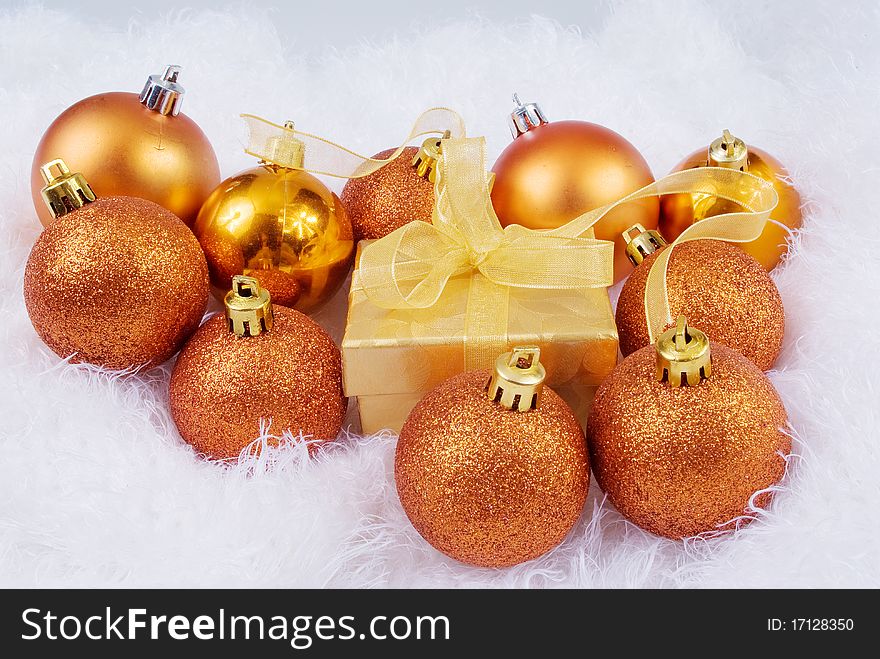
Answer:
(319, 156)
(409, 267)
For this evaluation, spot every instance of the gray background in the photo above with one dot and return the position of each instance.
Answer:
(354, 20)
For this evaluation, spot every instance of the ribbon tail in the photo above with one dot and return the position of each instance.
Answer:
(321, 156)
(754, 194)
(658, 315)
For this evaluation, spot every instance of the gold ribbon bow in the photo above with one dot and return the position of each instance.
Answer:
(317, 155)
(409, 268)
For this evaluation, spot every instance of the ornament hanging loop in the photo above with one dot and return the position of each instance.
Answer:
(525, 117)
(730, 152)
(64, 191)
(683, 355)
(162, 93)
(425, 161)
(248, 307)
(282, 149)
(518, 380)
(641, 243)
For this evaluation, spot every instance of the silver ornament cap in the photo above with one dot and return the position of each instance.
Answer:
(162, 93)
(525, 117)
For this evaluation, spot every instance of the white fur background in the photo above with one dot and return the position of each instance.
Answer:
(96, 487)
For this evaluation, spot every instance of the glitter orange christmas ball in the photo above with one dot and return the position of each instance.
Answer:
(487, 485)
(678, 212)
(119, 283)
(721, 289)
(390, 197)
(258, 362)
(137, 146)
(683, 460)
(553, 172)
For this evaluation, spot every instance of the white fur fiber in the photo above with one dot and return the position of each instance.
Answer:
(96, 486)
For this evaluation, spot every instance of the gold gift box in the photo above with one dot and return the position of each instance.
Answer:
(392, 357)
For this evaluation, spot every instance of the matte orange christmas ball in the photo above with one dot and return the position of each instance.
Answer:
(687, 447)
(493, 472)
(133, 145)
(721, 289)
(553, 172)
(118, 282)
(678, 212)
(400, 192)
(258, 362)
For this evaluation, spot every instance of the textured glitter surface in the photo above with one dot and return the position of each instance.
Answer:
(120, 282)
(388, 198)
(485, 485)
(223, 384)
(722, 291)
(123, 148)
(681, 461)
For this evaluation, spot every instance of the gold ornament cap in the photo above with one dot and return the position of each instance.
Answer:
(641, 243)
(525, 117)
(162, 93)
(64, 191)
(683, 355)
(425, 161)
(518, 380)
(730, 152)
(248, 307)
(282, 149)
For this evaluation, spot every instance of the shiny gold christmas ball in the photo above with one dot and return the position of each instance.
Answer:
(282, 226)
(678, 212)
(119, 283)
(484, 484)
(721, 289)
(388, 198)
(224, 384)
(124, 148)
(678, 461)
(554, 172)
